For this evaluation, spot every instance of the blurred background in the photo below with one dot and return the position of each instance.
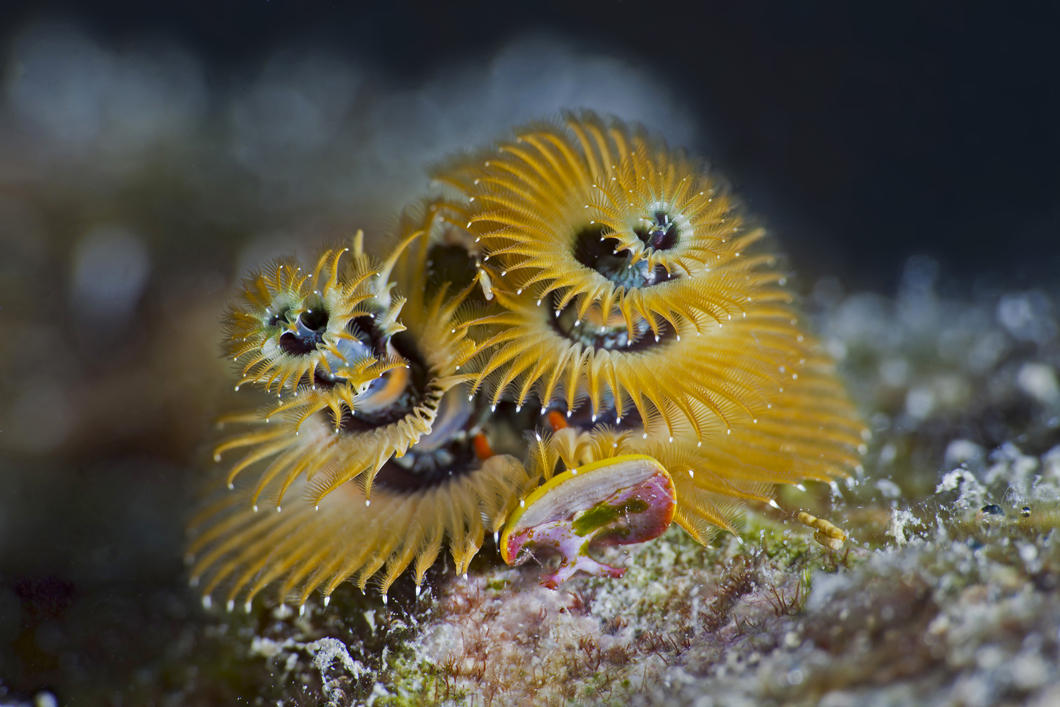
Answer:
(150, 154)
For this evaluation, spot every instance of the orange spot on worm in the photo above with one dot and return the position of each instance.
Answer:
(556, 420)
(482, 446)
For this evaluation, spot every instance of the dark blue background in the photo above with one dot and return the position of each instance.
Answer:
(861, 132)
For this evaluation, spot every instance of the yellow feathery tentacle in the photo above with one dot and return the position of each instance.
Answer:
(319, 547)
(593, 209)
(623, 277)
(734, 369)
(810, 431)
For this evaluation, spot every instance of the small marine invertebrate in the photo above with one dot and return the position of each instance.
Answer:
(296, 328)
(381, 478)
(602, 214)
(618, 501)
(825, 533)
(585, 267)
(346, 432)
(612, 258)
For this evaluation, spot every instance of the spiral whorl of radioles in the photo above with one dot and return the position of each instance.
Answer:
(625, 280)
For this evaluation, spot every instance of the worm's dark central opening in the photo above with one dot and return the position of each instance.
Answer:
(596, 251)
(659, 231)
(612, 334)
(449, 264)
(420, 470)
(308, 333)
(445, 454)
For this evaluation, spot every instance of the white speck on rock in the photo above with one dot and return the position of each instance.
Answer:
(1051, 464)
(265, 647)
(963, 451)
(971, 492)
(888, 488)
(919, 402)
(824, 590)
(899, 529)
(1038, 380)
(326, 653)
(1030, 671)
